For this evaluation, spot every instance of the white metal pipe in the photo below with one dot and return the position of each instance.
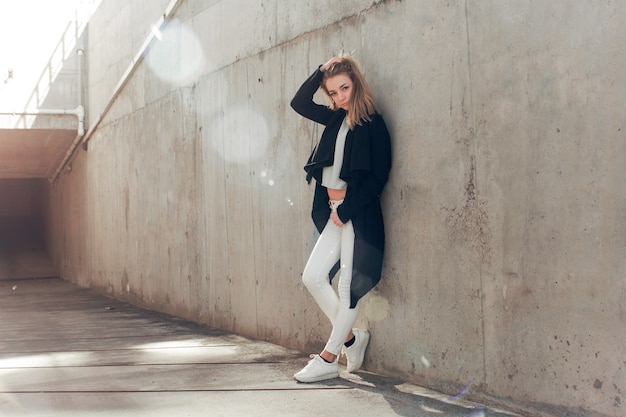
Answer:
(56, 112)
(81, 120)
(80, 54)
(79, 112)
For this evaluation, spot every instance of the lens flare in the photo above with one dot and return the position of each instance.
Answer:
(240, 136)
(479, 412)
(376, 308)
(455, 398)
(176, 55)
(421, 356)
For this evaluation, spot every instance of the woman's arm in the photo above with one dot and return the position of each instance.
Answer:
(303, 102)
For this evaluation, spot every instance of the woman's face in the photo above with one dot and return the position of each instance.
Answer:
(339, 89)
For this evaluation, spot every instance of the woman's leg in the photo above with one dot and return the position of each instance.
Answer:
(333, 241)
(356, 340)
(346, 316)
(315, 276)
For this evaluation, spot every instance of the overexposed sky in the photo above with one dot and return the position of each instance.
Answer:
(29, 32)
(28, 26)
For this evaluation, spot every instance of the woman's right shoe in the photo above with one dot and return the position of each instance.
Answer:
(356, 352)
(318, 370)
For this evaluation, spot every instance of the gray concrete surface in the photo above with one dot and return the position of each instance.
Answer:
(66, 351)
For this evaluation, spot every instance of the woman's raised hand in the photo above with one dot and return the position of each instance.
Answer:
(330, 63)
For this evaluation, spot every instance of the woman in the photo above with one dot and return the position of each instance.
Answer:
(350, 166)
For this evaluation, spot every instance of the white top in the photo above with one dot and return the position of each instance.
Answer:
(330, 175)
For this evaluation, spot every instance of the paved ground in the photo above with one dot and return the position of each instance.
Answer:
(66, 351)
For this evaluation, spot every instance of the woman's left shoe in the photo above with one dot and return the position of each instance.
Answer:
(356, 352)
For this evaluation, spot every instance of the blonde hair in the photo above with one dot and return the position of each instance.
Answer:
(362, 105)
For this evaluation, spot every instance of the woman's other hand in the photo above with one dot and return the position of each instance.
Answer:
(335, 218)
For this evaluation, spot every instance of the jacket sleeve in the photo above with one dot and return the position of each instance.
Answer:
(370, 183)
(303, 102)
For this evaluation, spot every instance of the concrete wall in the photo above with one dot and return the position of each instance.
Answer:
(505, 267)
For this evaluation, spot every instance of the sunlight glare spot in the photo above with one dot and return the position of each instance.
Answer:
(425, 361)
(176, 55)
(430, 410)
(156, 32)
(377, 308)
(457, 397)
(43, 360)
(240, 136)
(173, 344)
(199, 354)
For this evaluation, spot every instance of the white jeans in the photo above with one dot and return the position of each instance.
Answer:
(333, 244)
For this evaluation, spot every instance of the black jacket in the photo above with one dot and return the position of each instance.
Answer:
(366, 165)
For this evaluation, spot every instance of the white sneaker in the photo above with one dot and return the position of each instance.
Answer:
(356, 352)
(318, 370)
